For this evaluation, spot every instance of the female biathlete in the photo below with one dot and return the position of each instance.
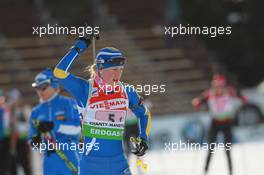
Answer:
(103, 101)
(219, 99)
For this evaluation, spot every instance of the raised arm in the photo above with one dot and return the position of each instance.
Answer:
(75, 85)
(61, 70)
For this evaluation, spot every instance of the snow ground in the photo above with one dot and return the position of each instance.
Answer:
(248, 159)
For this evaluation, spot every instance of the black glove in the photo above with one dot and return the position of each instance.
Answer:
(36, 140)
(89, 37)
(86, 39)
(83, 42)
(45, 126)
(140, 146)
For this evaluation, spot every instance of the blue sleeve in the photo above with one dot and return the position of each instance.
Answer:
(32, 127)
(76, 86)
(61, 70)
(72, 114)
(71, 125)
(140, 110)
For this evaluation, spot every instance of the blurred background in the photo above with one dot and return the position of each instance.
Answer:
(184, 64)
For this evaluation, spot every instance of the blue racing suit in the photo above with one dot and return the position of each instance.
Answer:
(109, 158)
(62, 111)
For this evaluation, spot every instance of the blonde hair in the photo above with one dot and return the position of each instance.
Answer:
(92, 70)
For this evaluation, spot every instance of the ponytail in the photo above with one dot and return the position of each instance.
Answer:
(92, 70)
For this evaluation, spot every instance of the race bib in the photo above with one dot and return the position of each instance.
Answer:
(222, 107)
(110, 116)
(105, 124)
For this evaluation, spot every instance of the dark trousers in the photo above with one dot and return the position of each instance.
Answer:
(226, 129)
(22, 158)
(5, 160)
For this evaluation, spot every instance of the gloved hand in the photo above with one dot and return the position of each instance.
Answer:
(36, 140)
(45, 126)
(83, 42)
(140, 146)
